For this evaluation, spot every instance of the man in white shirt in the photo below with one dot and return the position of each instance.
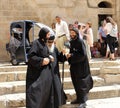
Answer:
(62, 33)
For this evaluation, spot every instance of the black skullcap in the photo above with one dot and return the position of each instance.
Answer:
(52, 37)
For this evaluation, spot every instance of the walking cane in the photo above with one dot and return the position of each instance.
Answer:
(64, 97)
(52, 88)
(62, 82)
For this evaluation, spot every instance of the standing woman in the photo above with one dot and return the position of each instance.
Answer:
(79, 68)
(39, 78)
(111, 32)
(88, 33)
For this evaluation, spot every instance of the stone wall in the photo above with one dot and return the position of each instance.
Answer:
(45, 11)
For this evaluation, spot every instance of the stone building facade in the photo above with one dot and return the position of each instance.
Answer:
(45, 11)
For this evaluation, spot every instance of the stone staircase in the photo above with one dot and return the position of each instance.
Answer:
(105, 73)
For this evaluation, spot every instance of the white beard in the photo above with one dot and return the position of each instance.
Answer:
(51, 49)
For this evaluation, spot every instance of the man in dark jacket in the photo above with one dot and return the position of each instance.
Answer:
(79, 68)
(39, 76)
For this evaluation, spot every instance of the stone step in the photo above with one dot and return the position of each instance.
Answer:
(97, 82)
(21, 75)
(12, 100)
(18, 100)
(98, 63)
(19, 86)
(111, 75)
(94, 63)
(99, 103)
(12, 76)
(12, 87)
(96, 103)
(101, 62)
(97, 92)
(94, 72)
(10, 68)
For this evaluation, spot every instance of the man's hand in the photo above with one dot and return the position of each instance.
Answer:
(46, 61)
(51, 58)
(68, 56)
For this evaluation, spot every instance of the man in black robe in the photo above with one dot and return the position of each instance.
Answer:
(39, 76)
(79, 68)
(56, 57)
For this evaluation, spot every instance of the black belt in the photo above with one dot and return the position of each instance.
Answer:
(61, 35)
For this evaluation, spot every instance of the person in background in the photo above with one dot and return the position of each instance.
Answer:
(70, 26)
(81, 27)
(88, 34)
(112, 33)
(75, 24)
(103, 38)
(39, 73)
(62, 33)
(53, 27)
(79, 68)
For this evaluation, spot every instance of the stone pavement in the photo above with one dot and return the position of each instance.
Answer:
(104, 103)
(105, 93)
(99, 103)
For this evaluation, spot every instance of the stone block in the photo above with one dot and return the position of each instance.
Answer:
(6, 89)
(15, 101)
(2, 102)
(98, 81)
(112, 78)
(19, 88)
(21, 76)
(10, 76)
(104, 92)
(110, 70)
(3, 77)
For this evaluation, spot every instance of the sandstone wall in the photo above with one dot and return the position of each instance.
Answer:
(45, 11)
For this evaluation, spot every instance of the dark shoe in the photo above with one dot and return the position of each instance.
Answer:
(112, 59)
(82, 105)
(75, 101)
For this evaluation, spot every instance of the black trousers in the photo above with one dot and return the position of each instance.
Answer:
(111, 43)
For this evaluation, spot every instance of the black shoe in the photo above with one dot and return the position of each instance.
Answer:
(82, 105)
(75, 101)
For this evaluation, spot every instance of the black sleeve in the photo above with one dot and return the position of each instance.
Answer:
(33, 58)
(79, 54)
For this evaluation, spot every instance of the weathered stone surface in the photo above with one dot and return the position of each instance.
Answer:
(110, 70)
(2, 102)
(12, 87)
(112, 78)
(45, 11)
(12, 76)
(97, 92)
(11, 68)
(21, 76)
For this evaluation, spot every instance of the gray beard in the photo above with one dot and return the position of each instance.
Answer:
(51, 49)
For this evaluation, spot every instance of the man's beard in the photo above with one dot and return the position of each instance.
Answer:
(51, 49)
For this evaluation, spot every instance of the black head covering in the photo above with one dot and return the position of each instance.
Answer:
(52, 37)
(75, 30)
(42, 34)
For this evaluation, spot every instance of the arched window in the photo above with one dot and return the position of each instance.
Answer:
(104, 5)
